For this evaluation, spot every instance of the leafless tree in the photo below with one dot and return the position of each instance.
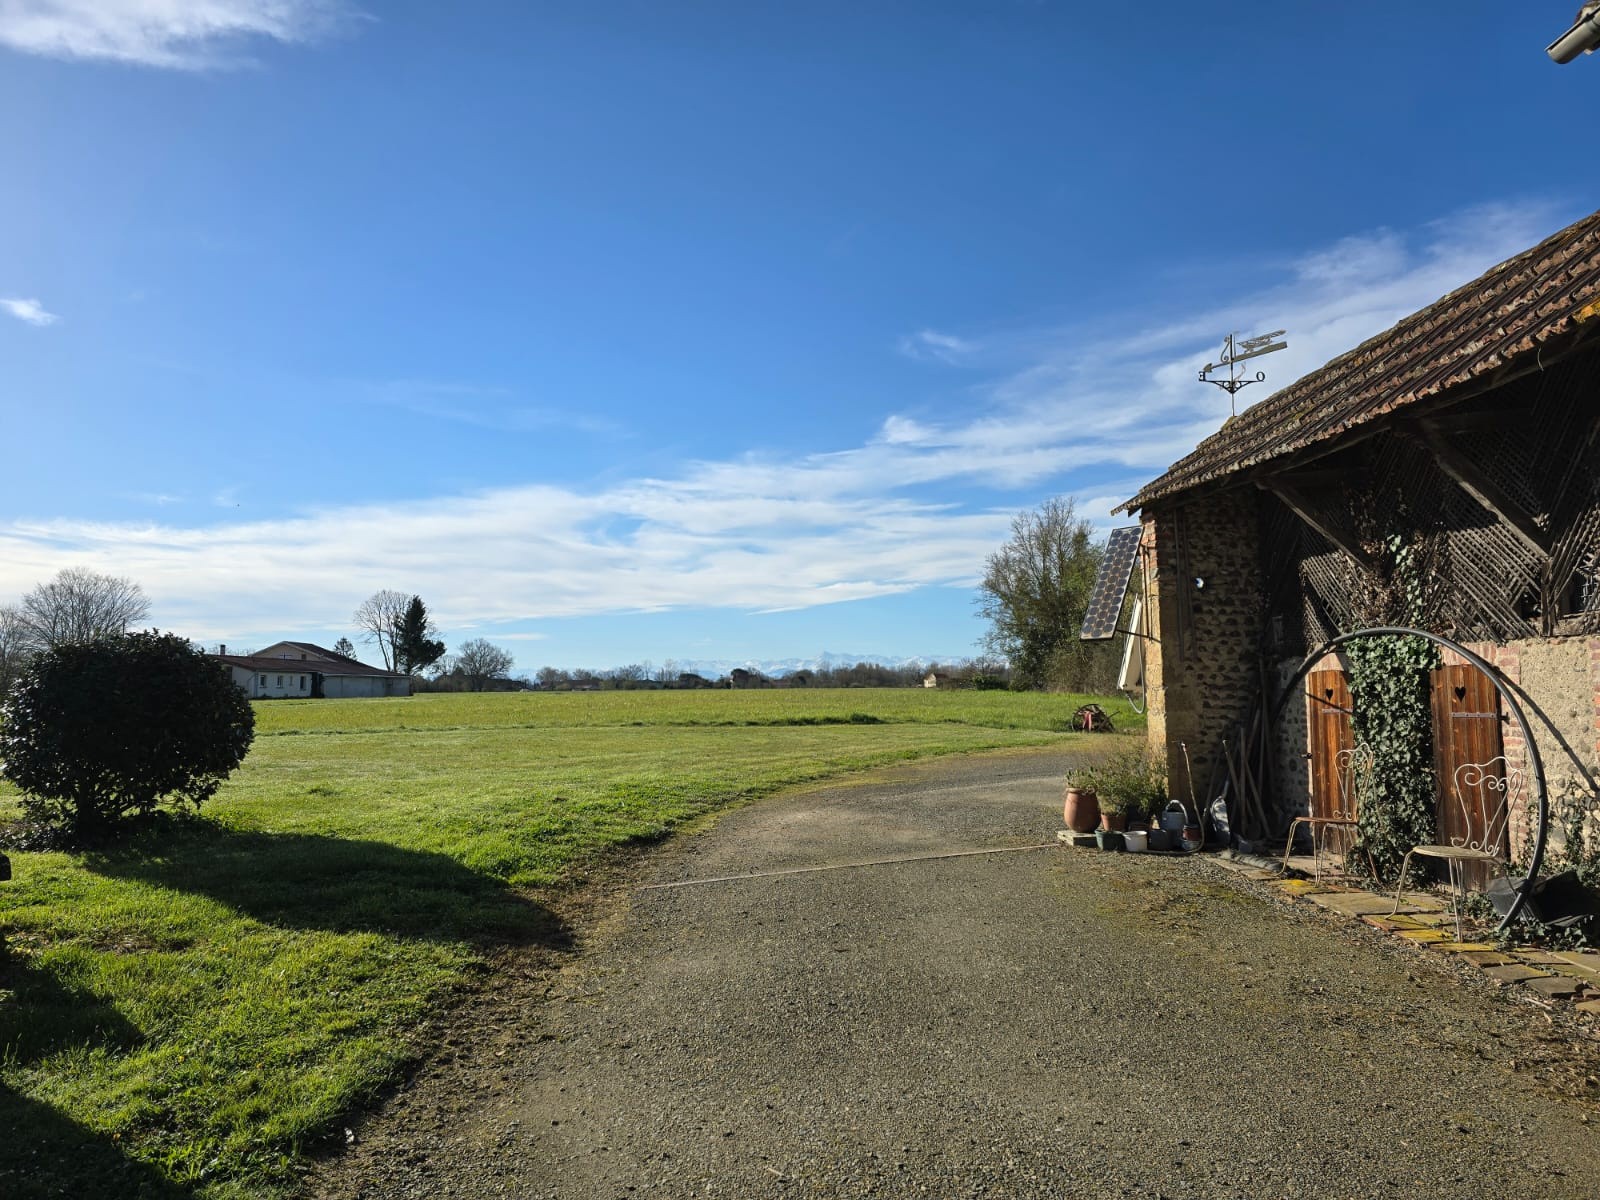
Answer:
(17, 645)
(80, 605)
(480, 661)
(378, 617)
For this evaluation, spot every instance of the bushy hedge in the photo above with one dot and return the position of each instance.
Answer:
(96, 731)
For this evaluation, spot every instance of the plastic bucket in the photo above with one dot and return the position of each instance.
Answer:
(1136, 841)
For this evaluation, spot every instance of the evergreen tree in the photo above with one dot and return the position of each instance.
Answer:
(415, 647)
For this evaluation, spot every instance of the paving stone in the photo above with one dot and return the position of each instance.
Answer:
(1583, 960)
(1469, 947)
(1354, 904)
(1513, 973)
(1387, 924)
(1590, 1006)
(1261, 873)
(1423, 936)
(1488, 958)
(1540, 958)
(1422, 902)
(1556, 987)
(1302, 887)
(1433, 919)
(1577, 974)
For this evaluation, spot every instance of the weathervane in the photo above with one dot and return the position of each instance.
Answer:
(1234, 351)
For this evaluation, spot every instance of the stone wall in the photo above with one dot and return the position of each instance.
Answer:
(1558, 681)
(1204, 589)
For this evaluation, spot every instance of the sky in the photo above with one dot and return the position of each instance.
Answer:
(627, 331)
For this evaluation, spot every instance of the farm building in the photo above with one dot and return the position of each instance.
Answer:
(1444, 475)
(287, 669)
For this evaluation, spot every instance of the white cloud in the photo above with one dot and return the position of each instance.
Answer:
(1073, 411)
(30, 311)
(180, 34)
(931, 345)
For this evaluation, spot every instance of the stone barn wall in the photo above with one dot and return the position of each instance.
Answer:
(1203, 669)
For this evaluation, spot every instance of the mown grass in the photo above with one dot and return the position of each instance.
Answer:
(187, 1013)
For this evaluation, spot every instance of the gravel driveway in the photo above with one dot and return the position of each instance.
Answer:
(1050, 1022)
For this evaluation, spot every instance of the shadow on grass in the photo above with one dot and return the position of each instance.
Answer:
(305, 881)
(42, 1152)
(39, 1014)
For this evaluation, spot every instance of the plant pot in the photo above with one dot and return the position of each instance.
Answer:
(1191, 837)
(1113, 820)
(1163, 839)
(1108, 839)
(1080, 810)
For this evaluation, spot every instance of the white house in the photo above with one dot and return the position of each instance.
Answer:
(302, 669)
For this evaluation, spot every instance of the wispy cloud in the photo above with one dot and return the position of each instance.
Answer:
(176, 34)
(484, 407)
(929, 345)
(29, 311)
(920, 504)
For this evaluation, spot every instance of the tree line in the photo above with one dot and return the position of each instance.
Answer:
(969, 673)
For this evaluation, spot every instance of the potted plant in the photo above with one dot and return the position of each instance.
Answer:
(1131, 785)
(1080, 808)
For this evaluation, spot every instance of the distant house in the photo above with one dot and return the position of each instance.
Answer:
(936, 679)
(286, 669)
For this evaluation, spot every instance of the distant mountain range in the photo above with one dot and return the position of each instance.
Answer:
(713, 668)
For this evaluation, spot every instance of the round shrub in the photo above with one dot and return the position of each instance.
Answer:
(99, 730)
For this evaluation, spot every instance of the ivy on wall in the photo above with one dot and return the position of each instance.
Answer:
(1392, 716)
(1399, 584)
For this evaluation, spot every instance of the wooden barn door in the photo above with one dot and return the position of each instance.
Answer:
(1329, 721)
(1466, 729)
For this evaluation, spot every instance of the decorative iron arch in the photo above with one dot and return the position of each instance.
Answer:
(1530, 747)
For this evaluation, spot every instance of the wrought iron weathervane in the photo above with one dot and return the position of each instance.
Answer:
(1234, 351)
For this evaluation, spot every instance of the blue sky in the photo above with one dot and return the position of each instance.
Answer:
(625, 331)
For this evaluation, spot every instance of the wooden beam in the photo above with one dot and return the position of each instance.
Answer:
(1297, 503)
(1480, 487)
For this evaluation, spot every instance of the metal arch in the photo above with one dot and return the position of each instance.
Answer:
(1531, 747)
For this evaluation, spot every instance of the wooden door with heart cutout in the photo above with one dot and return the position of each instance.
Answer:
(1328, 719)
(1466, 729)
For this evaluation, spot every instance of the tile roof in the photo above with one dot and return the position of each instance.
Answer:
(1501, 318)
(338, 664)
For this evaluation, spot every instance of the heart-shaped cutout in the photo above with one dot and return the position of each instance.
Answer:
(1461, 694)
(1328, 693)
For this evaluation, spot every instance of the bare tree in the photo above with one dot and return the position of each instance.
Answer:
(378, 617)
(80, 605)
(480, 661)
(17, 645)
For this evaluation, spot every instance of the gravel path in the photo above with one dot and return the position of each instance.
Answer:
(1050, 1022)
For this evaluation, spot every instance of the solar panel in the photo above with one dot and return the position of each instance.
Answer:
(1110, 585)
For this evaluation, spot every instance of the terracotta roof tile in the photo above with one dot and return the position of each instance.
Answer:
(1497, 319)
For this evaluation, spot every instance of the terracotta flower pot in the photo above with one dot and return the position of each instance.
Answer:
(1111, 820)
(1080, 810)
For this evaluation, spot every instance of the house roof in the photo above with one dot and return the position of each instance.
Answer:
(1502, 318)
(335, 664)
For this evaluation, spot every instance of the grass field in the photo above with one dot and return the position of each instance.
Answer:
(187, 1014)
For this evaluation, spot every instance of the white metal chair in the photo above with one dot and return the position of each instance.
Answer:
(1484, 795)
(1355, 770)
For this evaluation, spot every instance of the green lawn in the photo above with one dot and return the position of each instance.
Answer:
(185, 1015)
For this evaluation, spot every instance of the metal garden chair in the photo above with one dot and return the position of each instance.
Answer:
(1484, 795)
(1354, 768)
